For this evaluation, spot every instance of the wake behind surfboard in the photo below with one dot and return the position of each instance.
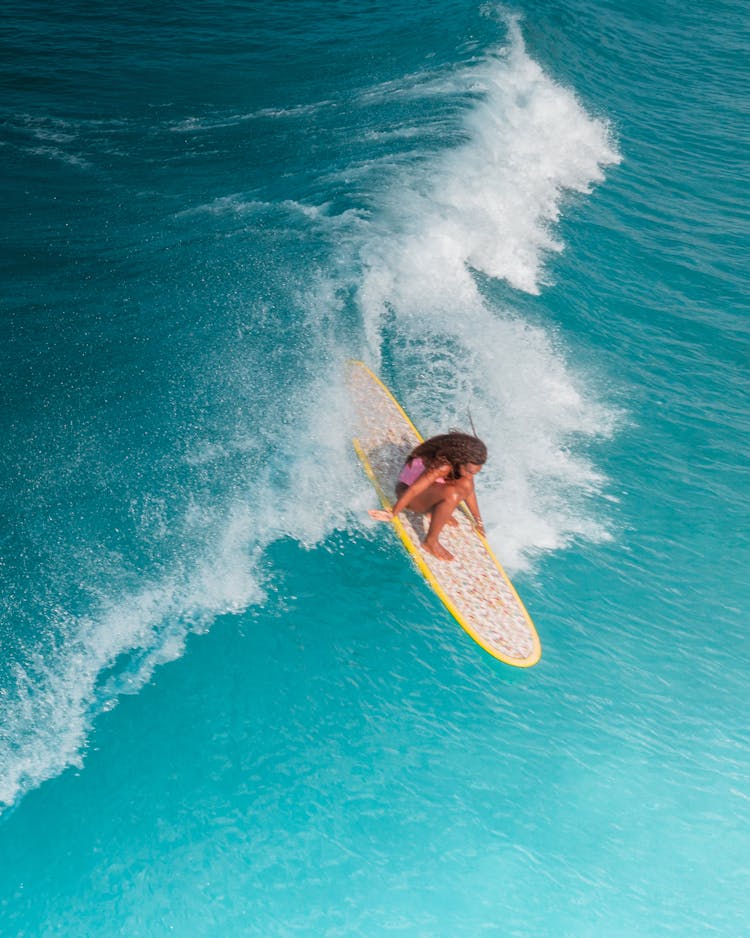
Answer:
(474, 587)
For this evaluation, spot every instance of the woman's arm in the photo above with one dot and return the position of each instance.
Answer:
(473, 505)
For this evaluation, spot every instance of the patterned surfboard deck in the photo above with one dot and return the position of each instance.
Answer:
(473, 587)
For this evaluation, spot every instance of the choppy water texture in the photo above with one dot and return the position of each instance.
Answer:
(229, 705)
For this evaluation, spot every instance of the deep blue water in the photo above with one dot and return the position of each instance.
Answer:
(229, 705)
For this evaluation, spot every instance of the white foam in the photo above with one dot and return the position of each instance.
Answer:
(490, 205)
(62, 688)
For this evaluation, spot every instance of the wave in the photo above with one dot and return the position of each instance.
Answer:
(415, 267)
(486, 210)
(62, 686)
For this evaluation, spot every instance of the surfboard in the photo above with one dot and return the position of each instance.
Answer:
(473, 587)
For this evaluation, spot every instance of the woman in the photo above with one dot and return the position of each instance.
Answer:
(437, 476)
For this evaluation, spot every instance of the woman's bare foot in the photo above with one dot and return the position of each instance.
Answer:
(437, 550)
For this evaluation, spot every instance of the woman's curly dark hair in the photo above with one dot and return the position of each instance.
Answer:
(455, 448)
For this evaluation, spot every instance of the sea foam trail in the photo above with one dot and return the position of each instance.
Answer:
(489, 204)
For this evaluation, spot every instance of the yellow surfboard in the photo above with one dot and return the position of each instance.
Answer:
(474, 587)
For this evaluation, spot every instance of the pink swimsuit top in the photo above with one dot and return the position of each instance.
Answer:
(410, 473)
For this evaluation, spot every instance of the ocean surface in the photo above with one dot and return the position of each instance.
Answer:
(228, 703)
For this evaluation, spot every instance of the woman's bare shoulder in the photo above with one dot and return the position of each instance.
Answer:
(439, 471)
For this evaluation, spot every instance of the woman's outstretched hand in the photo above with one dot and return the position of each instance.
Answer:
(381, 514)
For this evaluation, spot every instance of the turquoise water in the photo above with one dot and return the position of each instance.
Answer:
(229, 705)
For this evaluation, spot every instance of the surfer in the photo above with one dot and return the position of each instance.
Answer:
(437, 476)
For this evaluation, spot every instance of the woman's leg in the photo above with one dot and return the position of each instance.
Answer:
(441, 501)
(441, 515)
